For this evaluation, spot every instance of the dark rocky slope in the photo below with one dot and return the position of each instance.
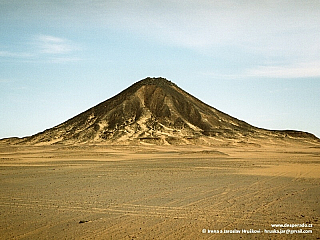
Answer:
(155, 110)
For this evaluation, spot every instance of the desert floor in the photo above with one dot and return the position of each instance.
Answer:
(158, 192)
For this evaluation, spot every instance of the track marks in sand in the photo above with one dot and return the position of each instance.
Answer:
(154, 197)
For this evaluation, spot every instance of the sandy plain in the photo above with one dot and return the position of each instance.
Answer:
(158, 192)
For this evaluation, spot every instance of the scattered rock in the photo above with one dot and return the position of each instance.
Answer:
(83, 221)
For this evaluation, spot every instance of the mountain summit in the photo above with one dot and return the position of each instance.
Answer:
(155, 110)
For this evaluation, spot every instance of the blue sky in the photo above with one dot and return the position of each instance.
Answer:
(258, 61)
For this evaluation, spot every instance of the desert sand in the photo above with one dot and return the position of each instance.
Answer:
(159, 192)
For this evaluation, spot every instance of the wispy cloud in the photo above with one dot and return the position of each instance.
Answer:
(44, 48)
(259, 25)
(264, 30)
(279, 38)
(270, 27)
(296, 70)
(54, 45)
(301, 70)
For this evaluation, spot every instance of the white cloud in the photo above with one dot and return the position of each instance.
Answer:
(273, 27)
(259, 25)
(45, 48)
(296, 70)
(301, 70)
(54, 45)
(274, 38)
(267, 25)
(273, 30)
